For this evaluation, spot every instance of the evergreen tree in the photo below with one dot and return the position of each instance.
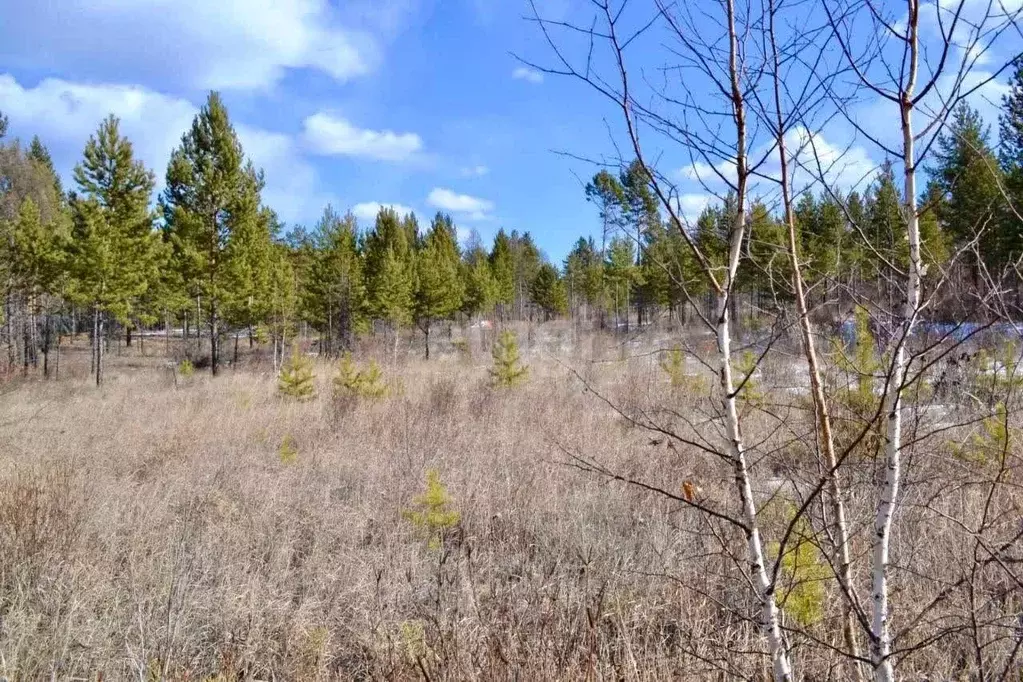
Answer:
(480, 285)
(967, 177)
(640, 211)
(36, 264)
(211, 201)
(584, 275)
(768, 268)
(38, 152)
(547, 291)
(527, 260)
(502, 265)
(620, 275)
(508, 369)
(296, 379)
(115, 254)
(335, 295)
(1010, 156)
(439, 287)
(390, 274)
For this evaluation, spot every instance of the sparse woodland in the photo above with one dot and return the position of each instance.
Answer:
(776, 437)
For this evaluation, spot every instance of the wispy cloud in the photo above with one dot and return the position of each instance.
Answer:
(475, 171)
(369, 210)
(226, 44)
(466, 206)
(524, 73)
(328, 134)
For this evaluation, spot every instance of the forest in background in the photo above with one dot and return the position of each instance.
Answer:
(208, 257)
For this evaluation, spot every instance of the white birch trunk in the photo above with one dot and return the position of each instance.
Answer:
(764, 588)
(762, 584)
(880, 631)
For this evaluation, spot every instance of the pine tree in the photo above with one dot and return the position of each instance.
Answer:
(480, 285)
(212, 198)
(439, 286)
(390, 270)
(38, 152)
(967, 177)
(502, 265)
(116, 254)
(620, 275)
(547, 291)
(36, 263)
(584, 276)
(768, 268)
(1010, 156)
(282, 298)
(640, 210)
(508, 369)
(527, 260)
(334, 298)
(296, 379)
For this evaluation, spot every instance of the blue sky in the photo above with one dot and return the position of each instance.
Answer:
(415, 103)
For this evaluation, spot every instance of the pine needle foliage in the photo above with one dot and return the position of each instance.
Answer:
(673, 363)
(434, 514)
(804, 573)
(288, 450)
(508, 369)
(297, 380)
(367, 382)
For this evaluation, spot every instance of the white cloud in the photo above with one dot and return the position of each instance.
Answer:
(292, 184)
(470, 207)
(65, 114)
(331, 135)
(243, 44)
(810, 157)
(690, 206)
(524, 73)
(368, 210)
(843, 167)
(475, 171)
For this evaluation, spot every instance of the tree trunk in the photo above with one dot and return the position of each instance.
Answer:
(234, 361)
(214, 340)
(97, 326)
(426, 334)
(127, 335)
(827, 442)
(763, 587)
(880, 649)
(46, 346)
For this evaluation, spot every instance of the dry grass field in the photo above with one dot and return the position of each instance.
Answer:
(213, 530)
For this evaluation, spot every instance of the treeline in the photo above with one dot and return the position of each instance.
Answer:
(208, 254)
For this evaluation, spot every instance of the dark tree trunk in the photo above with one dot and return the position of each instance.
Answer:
(214, 340)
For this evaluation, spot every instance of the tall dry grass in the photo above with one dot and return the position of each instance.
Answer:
(159, 532)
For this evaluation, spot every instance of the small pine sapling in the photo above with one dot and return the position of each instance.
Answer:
(433, 515)
(508, 369)
(288, 451)
(804, 573)
(352, 381)
(297, 380)
(673, 363)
